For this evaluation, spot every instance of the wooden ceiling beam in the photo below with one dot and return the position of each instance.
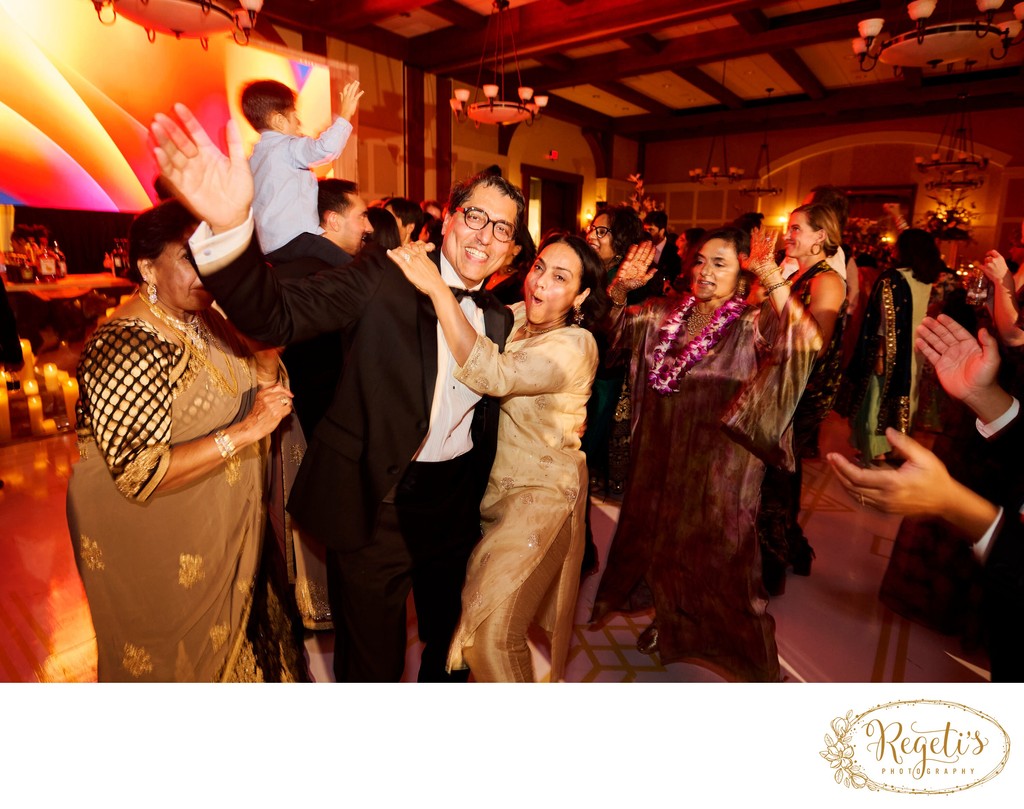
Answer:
(851, 105)
(457, 14)
(644, 43)
(703, 82)
(753, 21)
(635, 97)
(545, 27)
(354, 14)
(798, 71)
(555, 61)
(691, 51)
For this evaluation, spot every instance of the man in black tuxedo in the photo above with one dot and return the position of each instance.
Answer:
(393, 477)
(666, 258)
(922, 486)
(314, 365)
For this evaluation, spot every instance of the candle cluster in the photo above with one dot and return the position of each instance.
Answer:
(55, 386)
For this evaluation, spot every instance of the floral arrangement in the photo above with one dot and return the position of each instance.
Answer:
(950, 221)
(870, 236)
(639, 199)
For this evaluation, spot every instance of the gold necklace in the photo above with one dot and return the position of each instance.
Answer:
(696, 321)
(536, 332)
(196, 338)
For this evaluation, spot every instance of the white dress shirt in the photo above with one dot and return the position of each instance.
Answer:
(451, 413)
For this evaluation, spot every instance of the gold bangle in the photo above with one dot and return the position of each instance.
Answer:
(225, 445)
(773, 287)
(615, 299)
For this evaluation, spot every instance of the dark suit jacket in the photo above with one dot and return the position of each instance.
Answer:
(314, 365)
(670, 264)
(381, 407)
(1004, 568)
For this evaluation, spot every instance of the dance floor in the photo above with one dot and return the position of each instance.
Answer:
(831, 626)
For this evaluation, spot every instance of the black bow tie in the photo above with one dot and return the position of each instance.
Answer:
(480, 297)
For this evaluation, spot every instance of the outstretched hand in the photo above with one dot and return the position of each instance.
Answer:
(762, 251)
(921, 486)
(415, 263)
(635, 269)
(966, 367)
(217, 188)
(350, 96)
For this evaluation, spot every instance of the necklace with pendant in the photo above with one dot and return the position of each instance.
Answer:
(197, 339)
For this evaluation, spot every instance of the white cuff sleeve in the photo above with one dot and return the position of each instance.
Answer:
(981, 547)
(213, 251)
(993, 427)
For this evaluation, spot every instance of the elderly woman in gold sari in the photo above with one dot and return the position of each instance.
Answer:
(166, 506)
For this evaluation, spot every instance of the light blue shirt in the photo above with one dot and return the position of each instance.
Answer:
(285, 199)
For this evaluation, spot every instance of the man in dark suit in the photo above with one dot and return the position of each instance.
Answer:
(922, 486)
(666, 258)
(392, 479)
(314, 365)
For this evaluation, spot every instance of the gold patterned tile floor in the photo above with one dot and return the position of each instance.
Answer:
(830, 626)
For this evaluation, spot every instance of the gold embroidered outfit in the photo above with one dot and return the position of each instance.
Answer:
(169, 576)
(537, 487)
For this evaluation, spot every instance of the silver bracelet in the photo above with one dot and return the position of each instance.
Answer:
(224, 444)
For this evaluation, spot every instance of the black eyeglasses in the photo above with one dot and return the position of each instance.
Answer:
(601, 231)
(478, 220)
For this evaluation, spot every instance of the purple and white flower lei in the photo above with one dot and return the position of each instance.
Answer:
(668, 365)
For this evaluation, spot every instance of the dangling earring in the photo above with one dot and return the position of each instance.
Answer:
(152, 291)
(577, 314)
(816, 250)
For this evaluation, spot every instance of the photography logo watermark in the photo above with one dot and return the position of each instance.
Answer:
(922, 746)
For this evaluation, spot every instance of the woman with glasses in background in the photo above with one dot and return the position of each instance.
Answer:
(606, 442)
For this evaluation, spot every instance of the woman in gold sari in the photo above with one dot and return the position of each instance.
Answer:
(166, 506)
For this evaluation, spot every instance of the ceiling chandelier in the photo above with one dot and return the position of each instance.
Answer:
(955, 162)
(710, 175)
(192, 19)
(757, 189)
(932, 44)
(496, 107)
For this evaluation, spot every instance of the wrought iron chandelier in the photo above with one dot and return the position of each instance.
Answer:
(934, 44)
(757, 189)
(496, 107)
(711, 174)
(192, 19)
(954, 160)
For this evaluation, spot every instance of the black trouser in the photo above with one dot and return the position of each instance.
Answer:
(423, 540)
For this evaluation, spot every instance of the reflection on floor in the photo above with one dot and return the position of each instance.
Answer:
(830, 626)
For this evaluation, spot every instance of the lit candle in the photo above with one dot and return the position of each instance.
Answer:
(31, 387)
(50, 378)
(70, 388)
(28, 372)
(5, 413)
(35, 414)
(49, 426)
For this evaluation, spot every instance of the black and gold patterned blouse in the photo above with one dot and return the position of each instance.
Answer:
(129, 375)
